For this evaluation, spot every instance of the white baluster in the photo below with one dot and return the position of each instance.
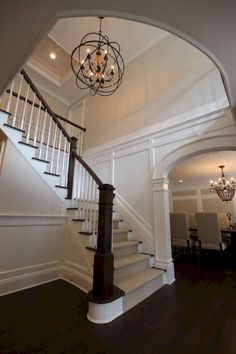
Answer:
(85, 197)
(37, 123)
(59, 152)
(17, 102)
(75, 184)
(42, 135)
(82, 193)
(63, 164)
(79, 187)
(3, 101)
(53, 148)
(48, 138)
(30, 121)
(25, 108)
(67, 162)
(10, 96)
(91, 205)
(95, 220)
(81, 143)
(87, 201)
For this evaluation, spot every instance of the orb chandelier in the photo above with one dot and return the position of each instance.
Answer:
(224, 187)
(97, 63)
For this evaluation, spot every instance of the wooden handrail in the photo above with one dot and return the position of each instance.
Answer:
(15, 94)
(89, 170)
(40, 97)
(69, 122)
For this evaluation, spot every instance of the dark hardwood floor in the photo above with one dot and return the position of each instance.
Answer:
(195, 315)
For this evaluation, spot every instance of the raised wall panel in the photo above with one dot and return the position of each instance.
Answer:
(184, 193)
(103, 170)
(218, 206)
(189, 206)
(132, 182)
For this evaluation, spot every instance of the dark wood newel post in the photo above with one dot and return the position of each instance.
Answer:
(103, 288)
(71, 167)
(103, 259)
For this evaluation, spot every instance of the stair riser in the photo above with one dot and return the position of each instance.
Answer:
(120, 236)
(115, 224)
(142, 292)
(125, 251)
(131, 269)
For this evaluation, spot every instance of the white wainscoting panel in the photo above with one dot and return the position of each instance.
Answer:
(31, 249)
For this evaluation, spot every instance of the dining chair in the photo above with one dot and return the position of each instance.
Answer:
(192, 226)
(209, 234)
(179, 230)
(223, 220)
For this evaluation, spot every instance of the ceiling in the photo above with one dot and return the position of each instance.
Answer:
(203, 168)
(134, 38)
(55, 77)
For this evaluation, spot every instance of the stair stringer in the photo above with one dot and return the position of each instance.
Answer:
(77, 263)
(28, 152)
(141, 229)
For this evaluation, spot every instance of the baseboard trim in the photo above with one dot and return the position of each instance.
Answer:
(76, 278)
(26, 281)
(20, 282)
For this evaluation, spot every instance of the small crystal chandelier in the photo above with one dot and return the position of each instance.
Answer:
(97, 64)
(223, 187)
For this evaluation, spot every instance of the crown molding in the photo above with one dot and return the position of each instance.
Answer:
(209, 111)
(44, 72)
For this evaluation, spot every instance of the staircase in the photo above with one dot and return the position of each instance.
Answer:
(35, 130)
(134, 272)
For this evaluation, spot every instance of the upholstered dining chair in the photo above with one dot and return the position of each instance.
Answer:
(193, 227)
(179, 230)
(209, 234)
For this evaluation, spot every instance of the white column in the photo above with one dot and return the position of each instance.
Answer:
(163, 252)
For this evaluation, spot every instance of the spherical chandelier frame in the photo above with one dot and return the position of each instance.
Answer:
(97, 64)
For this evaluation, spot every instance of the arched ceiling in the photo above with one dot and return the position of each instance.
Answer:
(203, 168)
(208, 24)
(56, 75)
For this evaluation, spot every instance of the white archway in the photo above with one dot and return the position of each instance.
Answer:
(213, 137)
(24, 36)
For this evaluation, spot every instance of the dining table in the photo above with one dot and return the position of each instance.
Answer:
(231, 231)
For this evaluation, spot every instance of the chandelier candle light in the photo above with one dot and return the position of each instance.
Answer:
(224, 187)
(97, 64)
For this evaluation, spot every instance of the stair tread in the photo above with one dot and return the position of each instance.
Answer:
(119, 231)
(132, 259)
(10, 126)
(123, 244)
(137, 280)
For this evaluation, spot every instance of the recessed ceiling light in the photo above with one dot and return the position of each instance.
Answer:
(180, 181)
(53, 56)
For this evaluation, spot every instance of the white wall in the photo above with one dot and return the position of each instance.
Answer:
(22, 191)
(30, 250)
(56, 104)
(169, 79)
(132, 162)
(32, 228)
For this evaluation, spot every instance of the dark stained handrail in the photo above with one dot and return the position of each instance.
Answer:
(89, 170)
(40, 97)
(69, 122)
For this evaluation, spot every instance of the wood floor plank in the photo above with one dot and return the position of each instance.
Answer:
(195, 315)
